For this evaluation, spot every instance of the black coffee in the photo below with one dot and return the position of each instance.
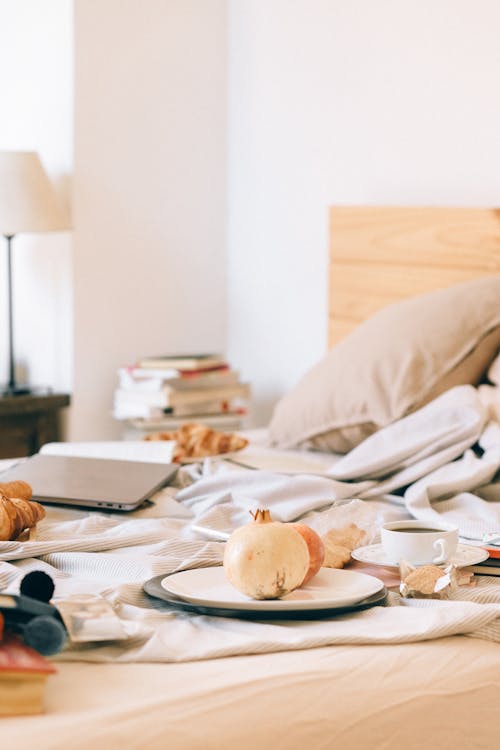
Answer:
(418, 530)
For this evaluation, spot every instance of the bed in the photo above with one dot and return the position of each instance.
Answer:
(439, 690)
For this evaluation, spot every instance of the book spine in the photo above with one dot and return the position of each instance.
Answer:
(128, 382)
(16, 656)
(138, 430)
(132, 372)
(484, 570)
(204, 408)
(144, 398)
(140, 385)
(176, 398)
(192, 365)
(207, 380)
(228, 420)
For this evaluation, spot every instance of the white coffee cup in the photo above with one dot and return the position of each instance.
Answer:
(418, 542)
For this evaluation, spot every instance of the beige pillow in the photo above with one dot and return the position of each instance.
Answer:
(494, 371)
(390, 365)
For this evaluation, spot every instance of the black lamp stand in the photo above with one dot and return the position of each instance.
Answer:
(12, 389)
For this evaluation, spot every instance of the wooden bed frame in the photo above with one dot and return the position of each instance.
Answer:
(380, 255)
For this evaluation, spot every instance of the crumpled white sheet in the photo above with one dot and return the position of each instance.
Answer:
(429, 453)
(458, 492)
(109, 555)
(455, 418)
(289, 497)
(165, 636)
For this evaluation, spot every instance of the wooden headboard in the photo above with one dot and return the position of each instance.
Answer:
(380, 255)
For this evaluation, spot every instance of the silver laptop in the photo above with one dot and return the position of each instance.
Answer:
(91, 482)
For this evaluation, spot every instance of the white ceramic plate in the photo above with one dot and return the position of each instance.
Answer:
(329, 588)
(465, 555)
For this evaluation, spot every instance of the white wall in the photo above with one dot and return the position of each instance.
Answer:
(36, 113)
(149, 191)
(330, 101)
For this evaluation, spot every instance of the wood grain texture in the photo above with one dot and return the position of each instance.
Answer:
(380, 255)
(28, 422)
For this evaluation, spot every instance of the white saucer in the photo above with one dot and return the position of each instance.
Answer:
(465, 555)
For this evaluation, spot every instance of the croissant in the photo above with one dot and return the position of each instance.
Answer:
(17, 488)
(17, 514)
(197, 441)
(161, 436)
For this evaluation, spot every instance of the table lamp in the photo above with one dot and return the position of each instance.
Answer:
(28, 203)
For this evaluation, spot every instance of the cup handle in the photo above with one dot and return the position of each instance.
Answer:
(440, 545)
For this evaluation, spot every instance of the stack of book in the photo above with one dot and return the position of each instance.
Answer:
(161, 393)
(490, 566)
(23, 675)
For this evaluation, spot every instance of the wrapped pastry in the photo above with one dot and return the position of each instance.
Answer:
(427, 581)
(343, 528)
(340, 542)
(336, 555)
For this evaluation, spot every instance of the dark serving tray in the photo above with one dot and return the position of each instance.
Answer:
(155, 590)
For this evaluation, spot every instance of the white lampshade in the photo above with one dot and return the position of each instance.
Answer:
(28, 202)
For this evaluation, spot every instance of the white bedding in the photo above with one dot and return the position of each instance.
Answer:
(389, 676)
(440, 694)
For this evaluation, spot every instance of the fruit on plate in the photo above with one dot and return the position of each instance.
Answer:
(266, 559)
(316, 550)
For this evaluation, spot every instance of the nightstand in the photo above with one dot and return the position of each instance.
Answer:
(27, 422)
